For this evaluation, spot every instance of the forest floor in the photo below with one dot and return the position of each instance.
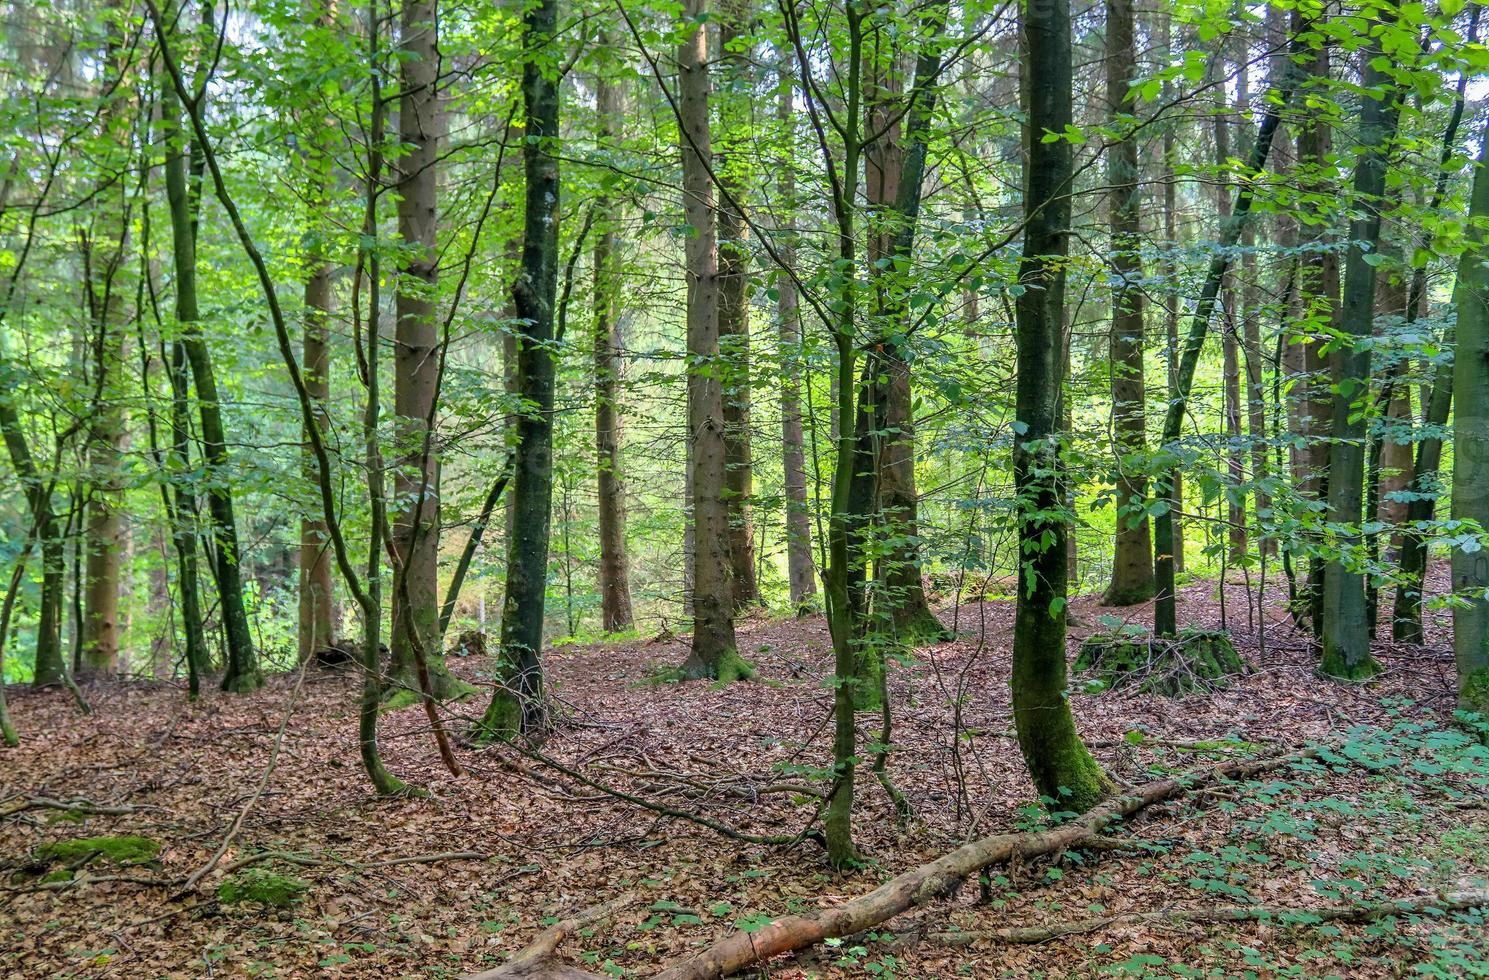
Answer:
(1400, 812)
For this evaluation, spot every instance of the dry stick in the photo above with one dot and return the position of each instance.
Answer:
(531, 960)
(237, 824)
(74, 806)
(1282, 915)
(944, 876)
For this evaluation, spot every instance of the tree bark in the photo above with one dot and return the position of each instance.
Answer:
(183, 205)
(416, 363)
(1471, 452)
(800, 565)
(1132, 558)
(1058, 761)
(614, 577)
(714, 652)
(519, 705)
(734, 309)
(1345, 636)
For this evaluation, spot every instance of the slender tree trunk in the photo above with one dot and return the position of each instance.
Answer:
(1132, 560)
(1235, 498)
(518, 706)
(1345, 636)
(714, 652)
(1170, 272)
(317, 589)
(800, 565)
(1471, 453)
(615, 587)
(416, 362)
(1436, 404)
(50, 667)
(1165, 609)
(1058, 761)
(104, 530)
(184, 505)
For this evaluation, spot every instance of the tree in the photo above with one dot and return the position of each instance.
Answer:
(1132, 561)
(714, 652)
(415, 532)
(1345, 635)
(517, 705)
(1062, 768)
(614, 574)
(1471, 451)
(735, 78)
(184, 204)
(800, 568)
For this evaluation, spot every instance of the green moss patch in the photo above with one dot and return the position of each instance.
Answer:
(115, 850)
(1195, 660)
(263, 886)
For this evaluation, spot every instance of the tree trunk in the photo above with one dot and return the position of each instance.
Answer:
(800, 565)
(895, 165)
(1058, 761)
(416, 364)
(1471, 453)
(1169, 271)
(1345, 636)
(1235, 497)
(518, 706)
(614, 577)
(183, 209)
(714, 653)
(50, 667)
(1436, 403)
(1132, 558)
(1165, 609)
(317, 589)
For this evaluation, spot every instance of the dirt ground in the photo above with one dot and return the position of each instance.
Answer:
(544, 844)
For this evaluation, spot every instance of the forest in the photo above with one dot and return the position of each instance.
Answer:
(780, 488)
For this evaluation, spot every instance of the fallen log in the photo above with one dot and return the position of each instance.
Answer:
(945, 875)
(536, 961)
(1281, 915)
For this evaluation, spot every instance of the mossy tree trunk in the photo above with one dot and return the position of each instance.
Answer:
(1346, 635)
(184, 201)
(1471, 452)
(519, 706)
(1062, 769)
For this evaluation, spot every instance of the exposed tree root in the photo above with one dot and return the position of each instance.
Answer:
(1280, 915)
(536, 958)
(945, 875)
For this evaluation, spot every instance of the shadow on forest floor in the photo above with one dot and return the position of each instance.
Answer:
(1411, 818)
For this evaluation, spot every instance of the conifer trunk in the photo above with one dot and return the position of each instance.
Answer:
(1132, 559)
(714, 653)
(614, 576)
